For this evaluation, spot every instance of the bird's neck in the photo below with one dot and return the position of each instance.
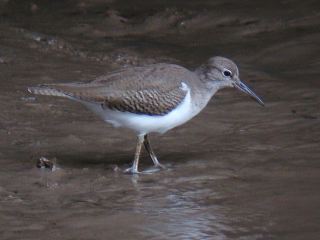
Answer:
(205, 89)
(212, 85)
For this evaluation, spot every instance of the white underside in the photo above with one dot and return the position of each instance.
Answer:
(143, 124)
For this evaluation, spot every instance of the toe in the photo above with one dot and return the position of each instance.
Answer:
(159, 165)
(131, 171)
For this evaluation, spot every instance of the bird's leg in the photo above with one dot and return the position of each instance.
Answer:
(134, 168)
(151, 153)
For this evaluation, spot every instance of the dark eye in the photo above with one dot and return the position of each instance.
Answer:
(227, 73)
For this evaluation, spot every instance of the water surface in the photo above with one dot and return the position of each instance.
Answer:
(236, 171)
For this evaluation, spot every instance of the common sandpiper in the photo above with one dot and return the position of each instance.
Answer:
(152, 98)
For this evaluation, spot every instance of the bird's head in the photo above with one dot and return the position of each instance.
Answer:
(222, 72)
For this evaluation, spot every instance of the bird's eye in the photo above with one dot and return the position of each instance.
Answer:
(227, 73)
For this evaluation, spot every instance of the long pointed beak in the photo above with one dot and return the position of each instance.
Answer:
(244, 88)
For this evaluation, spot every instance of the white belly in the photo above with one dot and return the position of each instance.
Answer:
(143, 124)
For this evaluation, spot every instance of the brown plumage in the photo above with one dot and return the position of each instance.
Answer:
(149, 90)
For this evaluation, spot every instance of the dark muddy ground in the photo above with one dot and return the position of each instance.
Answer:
(237, 171)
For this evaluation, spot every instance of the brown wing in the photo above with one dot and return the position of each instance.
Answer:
(148, 102)
(151, 90)
(154, 76)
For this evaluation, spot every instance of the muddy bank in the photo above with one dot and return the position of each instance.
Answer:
(237, 171)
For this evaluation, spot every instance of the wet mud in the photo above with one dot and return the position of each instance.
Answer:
(236, 171)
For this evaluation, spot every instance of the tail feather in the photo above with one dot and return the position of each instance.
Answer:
(46, 90)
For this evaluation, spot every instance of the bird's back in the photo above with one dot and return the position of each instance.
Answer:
(152, 89)
(157, 76)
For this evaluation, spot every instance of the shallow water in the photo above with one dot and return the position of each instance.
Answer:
(236, 171)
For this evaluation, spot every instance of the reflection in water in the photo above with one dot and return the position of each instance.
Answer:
(188, 204)
(184, 219)
(173, 208)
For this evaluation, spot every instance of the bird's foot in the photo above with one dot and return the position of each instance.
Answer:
(160, 166)
(156, 168)
(151, 170)
(131, 170)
